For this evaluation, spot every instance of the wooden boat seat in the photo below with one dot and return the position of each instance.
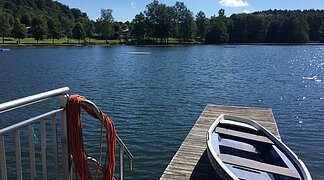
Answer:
(243, 135)
(258, 165)
(238, 145)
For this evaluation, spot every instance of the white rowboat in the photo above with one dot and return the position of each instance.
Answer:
(240, 148)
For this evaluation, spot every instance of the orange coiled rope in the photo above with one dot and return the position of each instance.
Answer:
(79, 156)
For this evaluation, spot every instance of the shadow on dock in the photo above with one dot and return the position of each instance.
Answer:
(204, 169)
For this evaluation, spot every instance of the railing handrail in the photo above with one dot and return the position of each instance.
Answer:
(22, 102)
(63, 95)
(127, 151)
(11, 105)
(28, 121)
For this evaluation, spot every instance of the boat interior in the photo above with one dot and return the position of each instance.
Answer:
(250, 154)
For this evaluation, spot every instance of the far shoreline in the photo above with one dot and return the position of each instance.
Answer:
(151, 44)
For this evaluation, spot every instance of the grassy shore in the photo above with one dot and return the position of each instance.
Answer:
(74, 42)
(9, 41)
(57, 42)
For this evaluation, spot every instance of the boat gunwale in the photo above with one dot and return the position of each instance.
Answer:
(289, 153)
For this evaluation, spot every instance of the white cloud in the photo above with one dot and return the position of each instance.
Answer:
(133, 4)
(246, 11)
(233, 3)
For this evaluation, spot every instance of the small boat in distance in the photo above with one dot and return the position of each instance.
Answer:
(139, 53)
(240, 148)
(5, 49)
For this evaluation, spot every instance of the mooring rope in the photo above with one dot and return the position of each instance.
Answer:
(79, 156)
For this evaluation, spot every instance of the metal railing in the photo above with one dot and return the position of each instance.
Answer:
(62, 93)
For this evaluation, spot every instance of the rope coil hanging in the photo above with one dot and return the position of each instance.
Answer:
(78, 153)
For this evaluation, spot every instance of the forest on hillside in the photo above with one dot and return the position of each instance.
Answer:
(50, 19)
(159, 23)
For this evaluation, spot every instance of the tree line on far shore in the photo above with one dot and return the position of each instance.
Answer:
(48, 19)
(159, 23)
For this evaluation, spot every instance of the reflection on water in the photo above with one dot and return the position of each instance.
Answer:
(154, 99)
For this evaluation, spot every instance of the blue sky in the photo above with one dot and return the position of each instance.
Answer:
(124, 10)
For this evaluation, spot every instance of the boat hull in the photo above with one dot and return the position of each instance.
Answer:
(217, 167)
(240, 148)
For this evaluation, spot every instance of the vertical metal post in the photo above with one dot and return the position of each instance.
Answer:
(54, 129)
(121, 161)
(31, 152)
(3, 165)
(131, 162)
(18, 156)
(43, 147)
(65, 143)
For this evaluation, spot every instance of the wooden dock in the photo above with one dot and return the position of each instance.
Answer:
(191, 160)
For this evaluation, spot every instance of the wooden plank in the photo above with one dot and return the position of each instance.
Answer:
(238, 145)
(243, 135)
(258, 165)
(191, 160)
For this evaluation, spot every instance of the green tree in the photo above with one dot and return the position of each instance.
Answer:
(295, 29)
(54, 31)
(201, 23)
(11, 7)
(315, 22)
(89, 29)
(217, 31)
(164, 22)
(185, 21)
(78, 32)
(118, 27)
(27, 10)
(76, 13)
(5, 26)
(104, 23)
(139, 26)
(322, 33)
(221, 13)
(246, 28)
(67, 26)
(151, 18)
(19, 30)
(26, 20)
(39, 28)
(257, 26)
(40, 4)
(160, 20)
(128, 25)
(273, 33)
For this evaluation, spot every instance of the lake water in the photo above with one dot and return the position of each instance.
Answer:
(155, 99)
